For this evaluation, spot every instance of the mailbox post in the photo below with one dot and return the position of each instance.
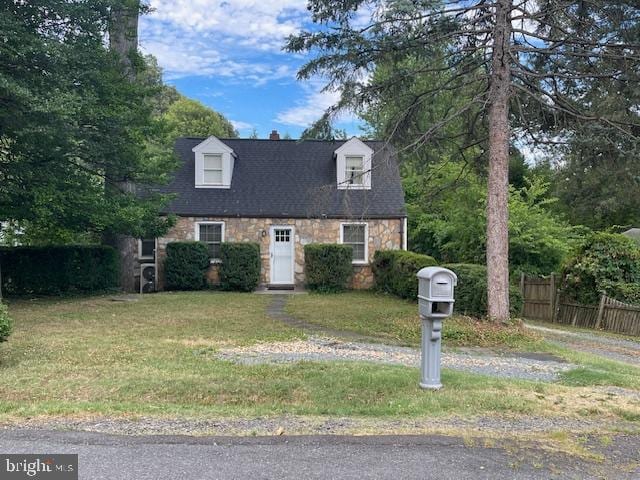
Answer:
(435, 302)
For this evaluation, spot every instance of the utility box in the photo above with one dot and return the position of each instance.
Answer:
(435, 292)
(436, 286)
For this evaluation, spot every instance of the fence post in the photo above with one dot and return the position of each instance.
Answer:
(524, 302)
(552, 296)
(603, 300)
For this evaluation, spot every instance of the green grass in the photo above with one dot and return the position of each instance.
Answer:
(157, 357)
(385, 317)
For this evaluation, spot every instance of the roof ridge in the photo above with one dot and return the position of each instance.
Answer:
(281, 140)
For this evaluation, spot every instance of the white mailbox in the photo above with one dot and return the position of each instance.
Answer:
(435, 292)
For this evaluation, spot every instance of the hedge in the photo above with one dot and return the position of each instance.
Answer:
(6, 324)
(471, 292)
(604, 262)
(54, 270)
(327, 266)
(240, 268)
(395, 271)
(186, 265)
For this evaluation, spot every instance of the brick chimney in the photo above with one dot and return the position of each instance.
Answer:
(274, 135)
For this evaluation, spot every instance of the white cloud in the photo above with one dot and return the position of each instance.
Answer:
(254, 22)
(240, 125)
(308, 109)
(182, 54)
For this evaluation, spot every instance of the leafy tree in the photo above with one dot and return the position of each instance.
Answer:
(447, 215)
(499, 53)
(187, 117)
(75, 123)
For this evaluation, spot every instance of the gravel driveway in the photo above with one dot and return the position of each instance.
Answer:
(619, 349)
(329, 349)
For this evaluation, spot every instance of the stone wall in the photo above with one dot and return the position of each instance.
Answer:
(383, 234)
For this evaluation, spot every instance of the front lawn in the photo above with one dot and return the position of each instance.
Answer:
(385, 318)
(156, 356)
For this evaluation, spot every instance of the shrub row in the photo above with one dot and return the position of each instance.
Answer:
(327, 266)
(395, 271)
(187, 263)
(471, 292)
(59, 269)
(6, 324)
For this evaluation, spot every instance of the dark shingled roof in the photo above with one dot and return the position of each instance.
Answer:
(286, 178)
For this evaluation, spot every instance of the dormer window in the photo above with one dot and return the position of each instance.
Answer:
(354, 169)
(213, 164)
(212, 169)
(353, 165)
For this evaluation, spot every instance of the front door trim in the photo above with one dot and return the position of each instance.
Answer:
(272, 239)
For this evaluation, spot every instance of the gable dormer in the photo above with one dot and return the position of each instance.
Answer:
(214, 164)
(353, 165)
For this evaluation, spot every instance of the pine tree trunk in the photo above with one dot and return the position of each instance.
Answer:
(123, 39)
(498, 185)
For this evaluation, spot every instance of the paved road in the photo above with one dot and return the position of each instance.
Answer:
(327, 457)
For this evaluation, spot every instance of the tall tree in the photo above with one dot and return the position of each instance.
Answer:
(495, 50)
(187, 117)
(71, 125)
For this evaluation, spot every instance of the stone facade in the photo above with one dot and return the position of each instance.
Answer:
(385, 234)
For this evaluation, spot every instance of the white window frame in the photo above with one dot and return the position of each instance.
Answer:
(353, 148)
(366, 241)
(205, 169)
(155, 248)
(213, 146)
(222, 234)
(347, 172)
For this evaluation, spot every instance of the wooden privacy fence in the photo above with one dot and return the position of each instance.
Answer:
(543, 301)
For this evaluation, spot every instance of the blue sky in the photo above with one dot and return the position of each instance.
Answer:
(228, 55)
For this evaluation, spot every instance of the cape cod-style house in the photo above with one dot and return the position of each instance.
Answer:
(283, 194)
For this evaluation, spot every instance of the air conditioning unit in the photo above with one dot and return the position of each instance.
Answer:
(147, 277)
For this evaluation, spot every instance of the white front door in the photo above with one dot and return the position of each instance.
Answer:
(282, 255)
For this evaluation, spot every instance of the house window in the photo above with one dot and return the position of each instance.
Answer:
(146, 248)
(355, 235)
(212, 173)
(212, 234)
(354, 170)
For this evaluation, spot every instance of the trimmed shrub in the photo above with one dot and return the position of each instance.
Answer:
(6, 324)
(55, 270)
(327, 266)
(471, 292)
(395, 271)
(604, 263)
(186, 265)
(240, 269)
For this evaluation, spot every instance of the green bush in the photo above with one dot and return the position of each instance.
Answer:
(6, 324)
(327, 266)
(240, 269)
(395, 271)
(59, 269)
(625, 292)
(604, 264)
(186, 265)
(471, 292)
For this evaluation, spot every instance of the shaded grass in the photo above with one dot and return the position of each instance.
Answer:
(384, 317)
